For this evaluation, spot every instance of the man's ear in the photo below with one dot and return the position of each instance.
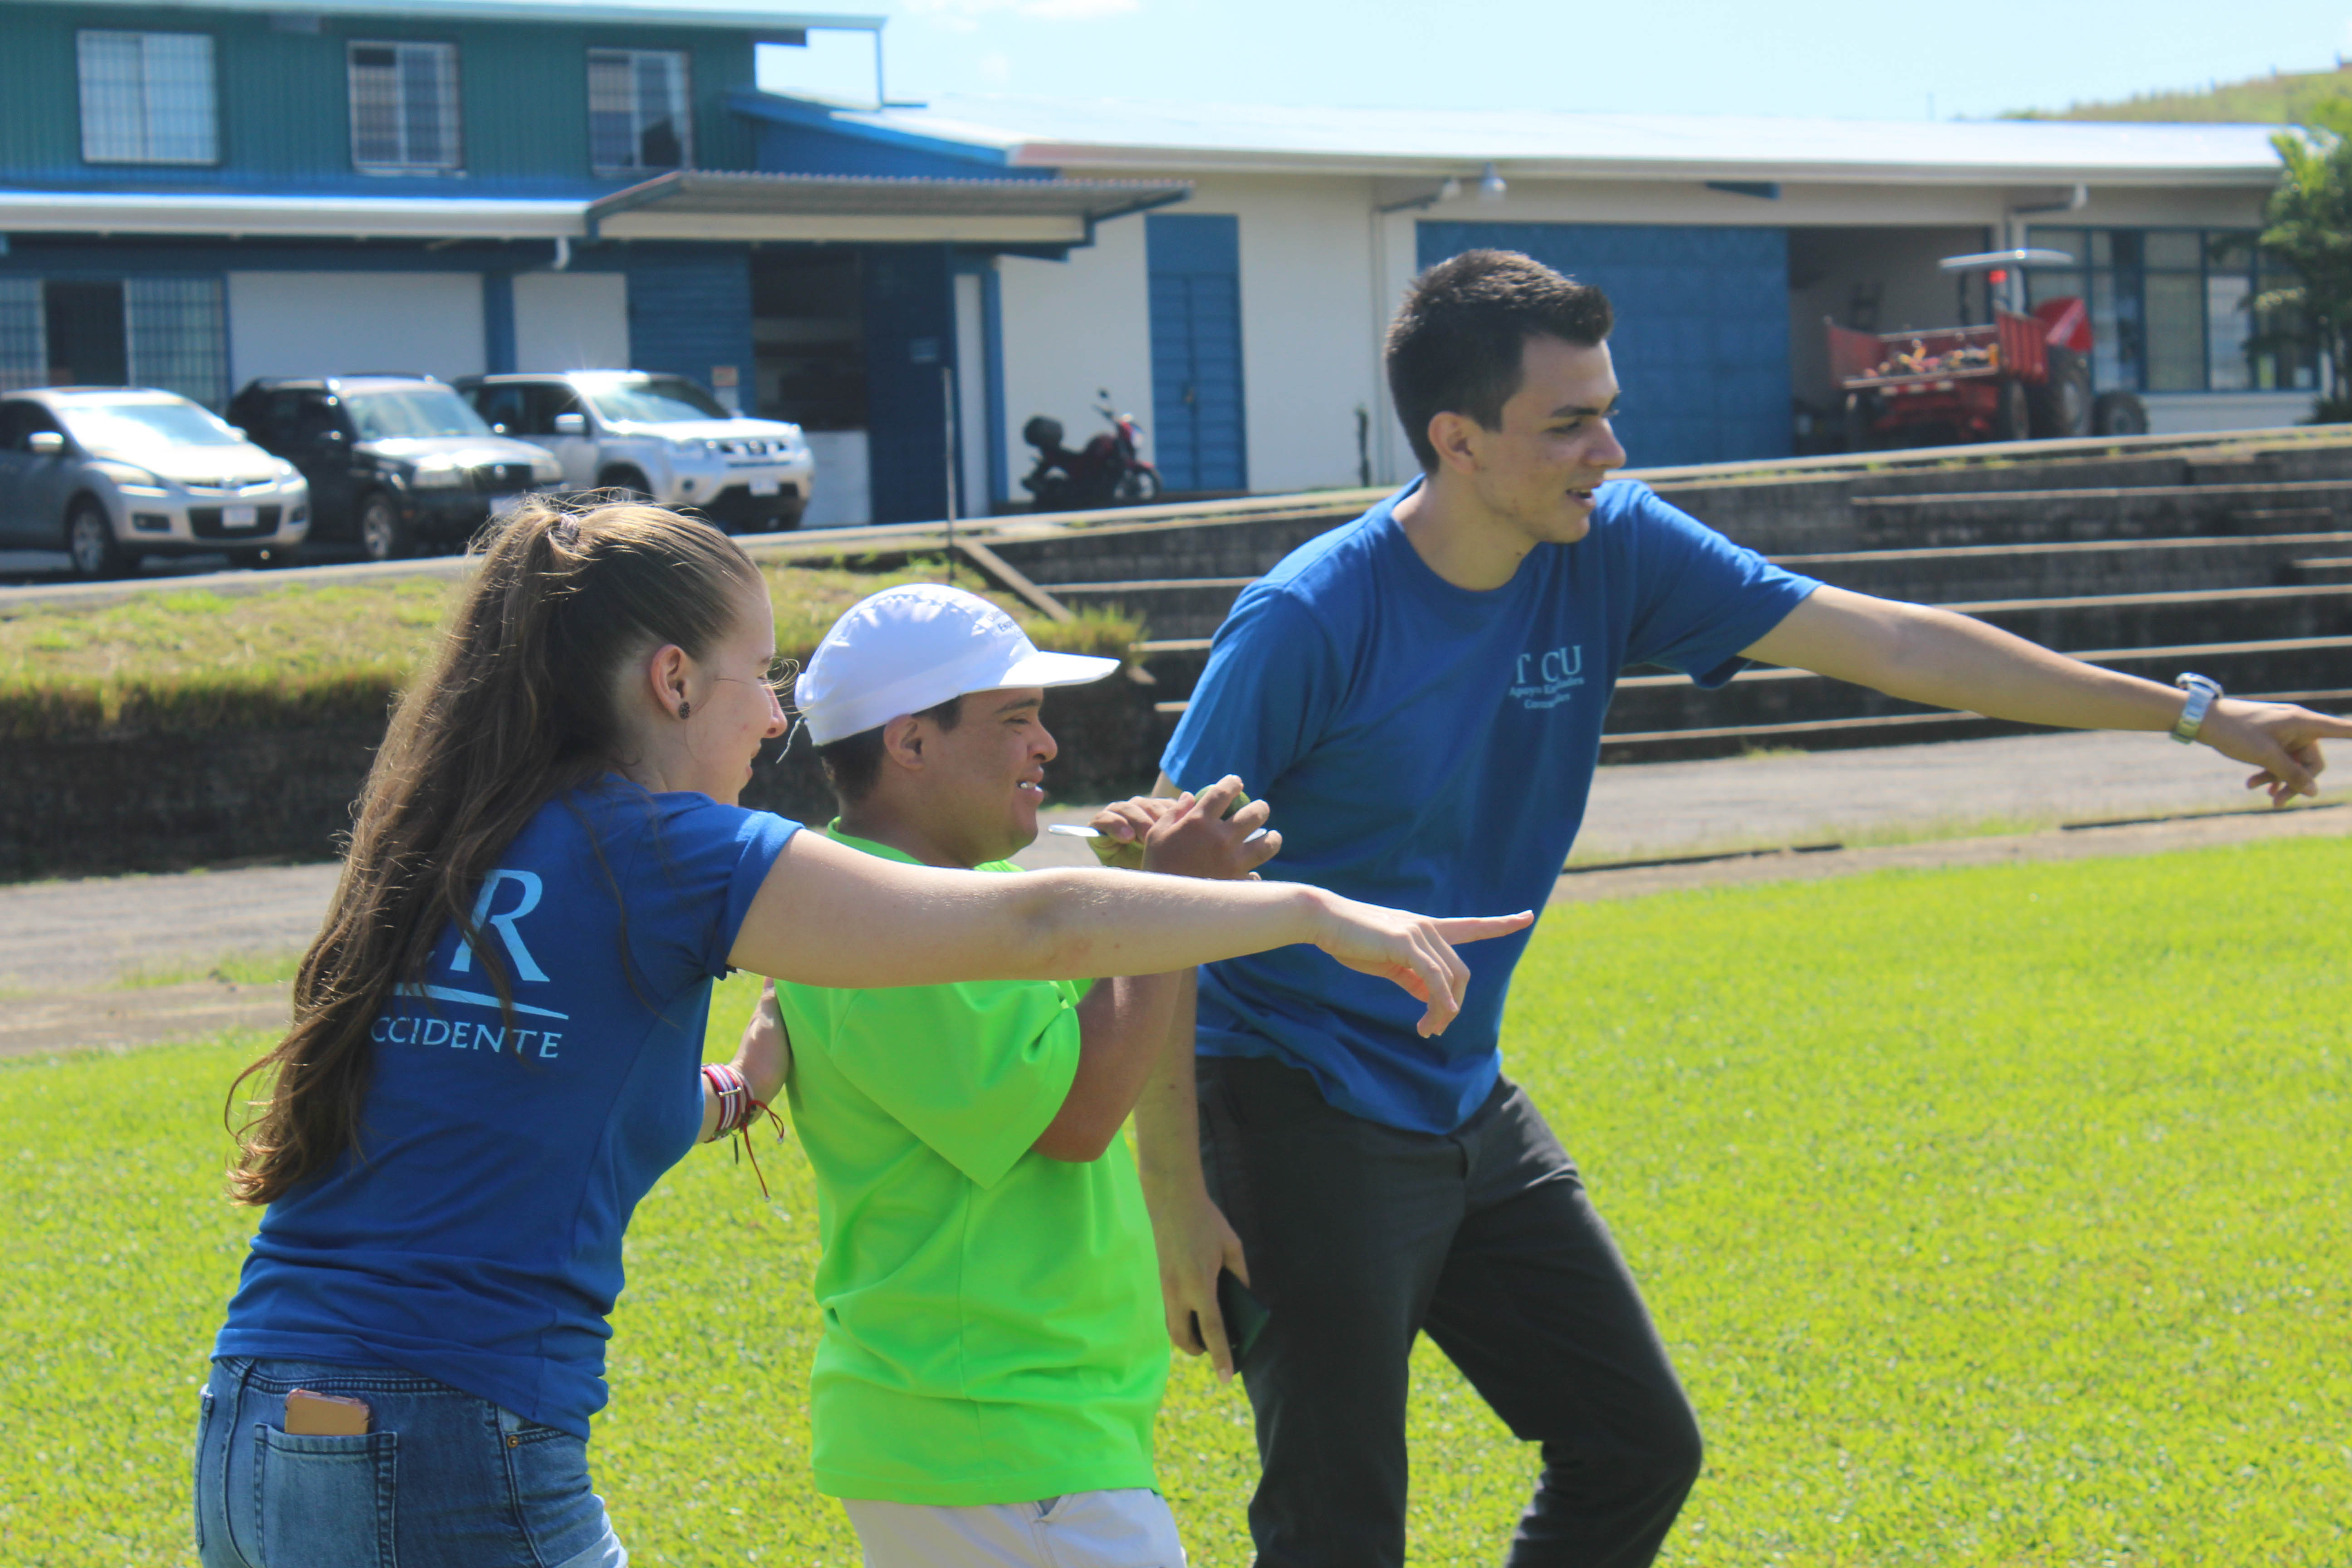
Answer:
(1454, 437)
(902, 741)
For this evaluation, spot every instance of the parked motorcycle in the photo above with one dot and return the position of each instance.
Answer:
(1106, 471)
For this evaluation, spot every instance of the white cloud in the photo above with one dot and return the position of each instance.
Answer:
(995, 69)
(964, 15)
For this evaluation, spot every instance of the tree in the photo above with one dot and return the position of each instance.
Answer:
(2308, 228)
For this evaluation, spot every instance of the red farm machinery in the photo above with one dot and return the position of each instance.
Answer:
(2023, 376)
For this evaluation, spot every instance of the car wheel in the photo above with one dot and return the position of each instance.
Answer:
(382, 535)
(90, 541)
(2118, 414)
(2060, 408)
(625, 485)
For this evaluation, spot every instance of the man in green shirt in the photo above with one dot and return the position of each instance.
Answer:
(992, 1353)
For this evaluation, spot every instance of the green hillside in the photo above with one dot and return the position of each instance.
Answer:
(2274, 100)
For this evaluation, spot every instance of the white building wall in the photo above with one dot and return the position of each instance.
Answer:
(1072, 327)
(340, 324)
(1322, 271)
(571, 321)
(1310, 349)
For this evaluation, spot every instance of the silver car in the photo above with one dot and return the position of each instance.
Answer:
(110, 474)
(658, 435)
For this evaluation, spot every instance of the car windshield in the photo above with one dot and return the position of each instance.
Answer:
(661, 400)
(143, 426)
(420, 410)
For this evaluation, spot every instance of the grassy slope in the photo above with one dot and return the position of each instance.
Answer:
(196, 658)
(2280, 100)
(1995, 1217)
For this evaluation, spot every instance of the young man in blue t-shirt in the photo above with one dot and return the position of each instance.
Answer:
(1420, 695)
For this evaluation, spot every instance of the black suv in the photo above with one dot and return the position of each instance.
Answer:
(396, 462)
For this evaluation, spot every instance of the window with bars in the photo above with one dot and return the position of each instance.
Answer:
(165, 332)
(638, 111)
(24, 345)
(2173, 309)
(404, 108)
(147, 98)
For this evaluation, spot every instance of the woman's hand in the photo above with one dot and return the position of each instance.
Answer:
(1413, 951)
(765, 1056)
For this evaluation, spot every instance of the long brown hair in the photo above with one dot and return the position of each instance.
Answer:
(516, 707)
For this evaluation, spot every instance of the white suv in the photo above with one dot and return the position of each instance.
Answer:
(658, 435)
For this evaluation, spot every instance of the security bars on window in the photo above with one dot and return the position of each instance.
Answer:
(404, 108)
(147, 98)
(637, 119)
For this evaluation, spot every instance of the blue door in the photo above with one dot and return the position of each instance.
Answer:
(1196, 352)
(1701, 343)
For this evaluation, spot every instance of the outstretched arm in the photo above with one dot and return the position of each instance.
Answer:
(1926, 655)
(831, 915)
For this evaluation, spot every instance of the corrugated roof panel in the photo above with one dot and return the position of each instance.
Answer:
(1109, 133)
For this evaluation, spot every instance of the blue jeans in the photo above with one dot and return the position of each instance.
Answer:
(441, 1479)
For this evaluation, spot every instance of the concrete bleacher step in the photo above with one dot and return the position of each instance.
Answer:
(1167, 606)
(2229, 555)
(2070, 568)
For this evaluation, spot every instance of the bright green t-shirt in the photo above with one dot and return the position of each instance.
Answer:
(992, 1326)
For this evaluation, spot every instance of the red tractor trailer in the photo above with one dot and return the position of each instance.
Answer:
(2019, 377)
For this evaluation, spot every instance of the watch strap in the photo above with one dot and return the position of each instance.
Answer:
(2203, 692)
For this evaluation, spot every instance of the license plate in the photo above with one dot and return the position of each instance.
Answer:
(240, 516)
(767, 486)
(504, 503)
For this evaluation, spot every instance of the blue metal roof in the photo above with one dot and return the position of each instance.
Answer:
(1207, 137)
(745, 16)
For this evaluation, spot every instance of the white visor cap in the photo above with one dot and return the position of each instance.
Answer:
(911, 648)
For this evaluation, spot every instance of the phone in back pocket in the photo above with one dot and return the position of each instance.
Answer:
(309, 1415)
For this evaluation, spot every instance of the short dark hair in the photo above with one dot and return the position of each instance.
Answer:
(853, 763)
(1458, 342)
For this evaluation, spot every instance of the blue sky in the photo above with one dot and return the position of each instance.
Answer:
(1846, 58)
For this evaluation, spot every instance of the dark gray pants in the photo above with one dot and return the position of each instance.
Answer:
(1361, 1236)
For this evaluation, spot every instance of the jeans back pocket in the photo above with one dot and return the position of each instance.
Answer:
(325, 1502)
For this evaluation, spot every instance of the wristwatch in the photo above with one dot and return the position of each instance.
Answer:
(2203, 692)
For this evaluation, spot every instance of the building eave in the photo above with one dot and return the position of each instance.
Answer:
(307, 218)
(703, 205)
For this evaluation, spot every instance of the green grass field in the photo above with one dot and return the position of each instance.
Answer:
(1995, 1217)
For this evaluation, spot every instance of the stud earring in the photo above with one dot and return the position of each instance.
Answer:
(684, 708)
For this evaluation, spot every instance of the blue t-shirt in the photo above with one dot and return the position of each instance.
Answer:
(476, 1238)
(1431, 748)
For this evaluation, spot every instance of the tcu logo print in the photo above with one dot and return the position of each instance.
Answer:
(1549, 677)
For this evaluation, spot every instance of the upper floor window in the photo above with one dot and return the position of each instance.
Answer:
(637, 120)
(404, 108)
(147, 98)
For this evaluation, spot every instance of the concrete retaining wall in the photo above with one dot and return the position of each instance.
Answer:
(131, 801)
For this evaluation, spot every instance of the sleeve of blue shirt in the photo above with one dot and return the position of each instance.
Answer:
(1698, 597)
(1274, 679)
(693, 880)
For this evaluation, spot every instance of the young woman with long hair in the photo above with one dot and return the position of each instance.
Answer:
(497, 1039)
